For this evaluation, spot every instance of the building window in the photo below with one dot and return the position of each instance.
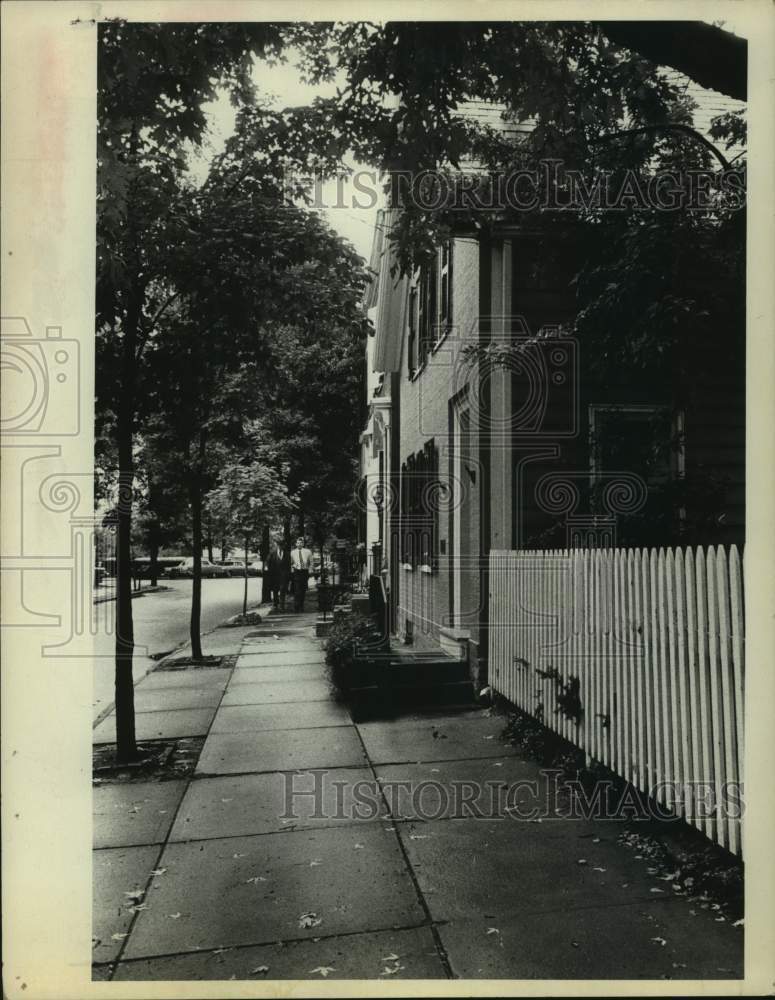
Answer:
(637, 472)
(420, 489)
(430, 307)
(645, 440)
(426, 308)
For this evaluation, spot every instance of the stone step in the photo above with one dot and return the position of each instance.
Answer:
(386, 668)
(380, 701)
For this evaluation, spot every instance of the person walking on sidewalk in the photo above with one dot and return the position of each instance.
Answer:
(301, 563)
(278, 569)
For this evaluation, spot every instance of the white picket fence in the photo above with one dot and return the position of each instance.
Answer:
(655, 639)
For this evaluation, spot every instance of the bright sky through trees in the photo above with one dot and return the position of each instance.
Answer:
(281, 85)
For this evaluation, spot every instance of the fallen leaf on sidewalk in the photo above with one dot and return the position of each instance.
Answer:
(581, 861)
(315, 862)
(659, 940)
(135, 894)
(739, 923)
(418, 836)
(235, 856)
(493, 930)
(391, 971)
(596, 840)
(599, 869)
(389, 958)
(657, 890)
(118, 937)
(259, 970)
(255, 879)
(158, 871)
(488, 737)
(138, 907)
(357, 847)
(227, 800)
(324, 970)
(173, 916)
(309, 920)
(679, 965)
(222, 951)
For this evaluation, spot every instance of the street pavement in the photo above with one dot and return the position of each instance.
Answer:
(306, 846)
(161, 622)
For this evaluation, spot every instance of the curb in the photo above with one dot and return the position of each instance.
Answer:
(135, 593)
(109, 708)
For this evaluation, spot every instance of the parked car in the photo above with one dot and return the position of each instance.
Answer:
(233, 567)
(186, 569)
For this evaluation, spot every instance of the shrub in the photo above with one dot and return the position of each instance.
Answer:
(350, 636)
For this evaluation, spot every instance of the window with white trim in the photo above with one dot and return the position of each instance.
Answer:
(430, 307)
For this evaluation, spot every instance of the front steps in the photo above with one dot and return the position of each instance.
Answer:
(398, 682)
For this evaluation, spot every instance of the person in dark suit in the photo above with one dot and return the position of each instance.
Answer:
(278, 571)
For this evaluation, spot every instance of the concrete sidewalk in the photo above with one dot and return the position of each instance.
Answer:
(306, 846)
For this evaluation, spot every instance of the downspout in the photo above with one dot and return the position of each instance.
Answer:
(394, 536)
(484, 440)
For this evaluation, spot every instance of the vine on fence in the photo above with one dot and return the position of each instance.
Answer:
(568, 695)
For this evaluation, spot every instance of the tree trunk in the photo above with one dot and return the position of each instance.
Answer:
(245, 596)
(301, 523)
(263, 551)
(153, 570)
(196, 537)
(196, 583)
(126, 746)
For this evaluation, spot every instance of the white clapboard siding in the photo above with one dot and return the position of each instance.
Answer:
(656, 641)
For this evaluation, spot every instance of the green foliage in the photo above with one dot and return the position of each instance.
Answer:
(248, 496)
(350, 636)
